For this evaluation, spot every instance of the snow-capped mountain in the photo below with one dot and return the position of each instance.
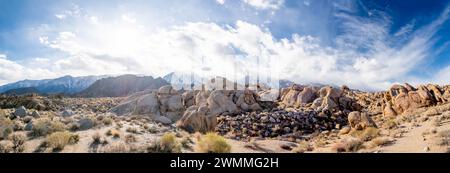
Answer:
(65, 84)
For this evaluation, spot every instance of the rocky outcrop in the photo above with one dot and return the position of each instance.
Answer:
(208, 105)
(171, 105)
(164, 105)
(325, 98)
(401, 98)
(360, 121)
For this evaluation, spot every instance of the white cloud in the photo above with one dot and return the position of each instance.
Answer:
(443, 76)
(118, 47)
(221, 2)
(128, 18)
(60, 16)
(265, 4)
(408, 28)
(11, 71)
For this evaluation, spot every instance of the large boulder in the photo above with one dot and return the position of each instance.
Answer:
(270, 95)
(171, 103)
(360, 121)
(290, 96)
(20, 112)
(306, 96)
(246, 101)
(197, 119)
(220, 102)
(188, 98)
(164, 106)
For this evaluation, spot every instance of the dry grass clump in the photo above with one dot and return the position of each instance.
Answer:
(166, 144)
(379, 141)
(348, 145)
(132, 130)
(18, 140)
(6, 146)
(213, 143)
(444, 138)
(116, 147)
(366, 134)
(303, 147)
(113, 132)
(98, 139)
(185, 142)
(58, 140)
(390, 124)
(107, 121)
(45, 126)
(130, 138)
(6, 127)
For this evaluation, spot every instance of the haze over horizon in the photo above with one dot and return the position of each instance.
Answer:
(366, 45)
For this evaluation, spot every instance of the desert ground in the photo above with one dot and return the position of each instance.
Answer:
(302, 119)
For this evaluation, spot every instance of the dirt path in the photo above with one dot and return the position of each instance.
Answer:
(418, 139)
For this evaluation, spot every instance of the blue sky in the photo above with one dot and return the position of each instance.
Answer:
(364, 44)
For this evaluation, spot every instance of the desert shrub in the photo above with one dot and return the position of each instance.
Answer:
(185, 142)
(113, 132)
(6, 146)
(320, 141)
(45, 126)
(118, 124)
(132, 130)
(153, 129)
(213, 143)
(73, 126)
(107, 121)
(18, 125)
(130, 138)
(6, 127)
(444, 138)
(116, 147)
(168, 142)
(18, 140)
(348, 145)
(165, 144)
(390, 124)
(302, 147)
(366, 134)
(98, 139)
(58, 140)
(379, 141)
(100, 118)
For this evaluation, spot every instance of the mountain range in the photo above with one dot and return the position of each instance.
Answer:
(65, 85)
(104, 86)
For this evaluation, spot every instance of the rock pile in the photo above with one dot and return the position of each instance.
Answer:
(279, 122)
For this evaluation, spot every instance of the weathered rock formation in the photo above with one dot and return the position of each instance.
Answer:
(164, 105)
(402, 98)
(208, 105)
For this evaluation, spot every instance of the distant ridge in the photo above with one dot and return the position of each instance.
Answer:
(22, 91)
(121, 86)
(62, 85)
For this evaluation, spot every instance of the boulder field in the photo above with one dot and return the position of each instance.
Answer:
(290, 111)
